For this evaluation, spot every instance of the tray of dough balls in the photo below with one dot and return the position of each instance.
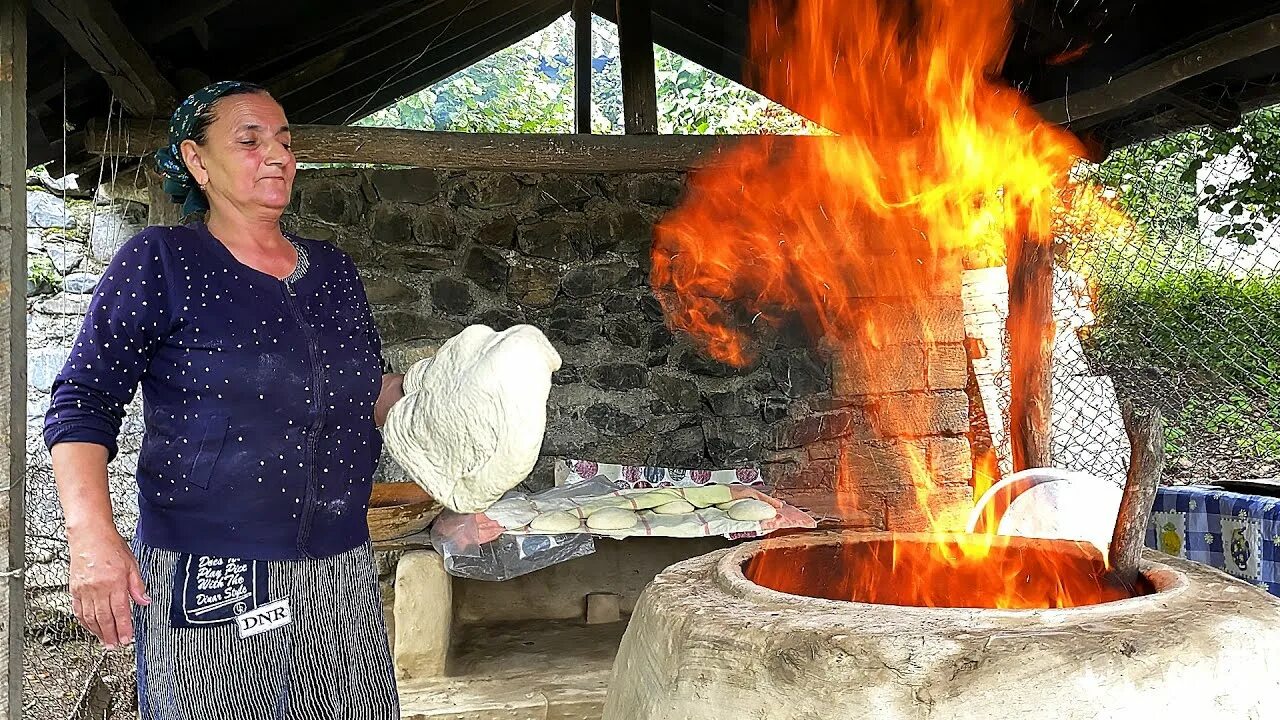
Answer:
(601, 508)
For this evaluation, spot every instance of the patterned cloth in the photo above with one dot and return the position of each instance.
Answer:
(332, 662)
(1231, 531)
(178, 183)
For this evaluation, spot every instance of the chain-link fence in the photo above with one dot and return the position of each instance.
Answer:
(71, 235)
(1181, 309)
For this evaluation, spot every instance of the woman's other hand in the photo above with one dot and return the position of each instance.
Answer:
(392, 390)
(104, 575)
(104, 579)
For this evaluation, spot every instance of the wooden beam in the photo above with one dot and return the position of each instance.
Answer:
(639, 81)
(582, 66)
(467, 151)
(96, 33)
(180, 17)
(1032, 331)
(1088, 107)
(13, 346)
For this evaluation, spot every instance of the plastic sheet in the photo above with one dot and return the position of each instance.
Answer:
(460, 540)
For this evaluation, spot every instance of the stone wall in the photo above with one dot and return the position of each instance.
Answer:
(69, 243)
(570, 255)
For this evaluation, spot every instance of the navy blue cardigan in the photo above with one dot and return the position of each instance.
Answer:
(258, 394)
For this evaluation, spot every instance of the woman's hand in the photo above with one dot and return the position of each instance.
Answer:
(392, 390)
(104, 578)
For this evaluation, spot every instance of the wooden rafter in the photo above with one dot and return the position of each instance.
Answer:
(96, 32)
(1090, 107)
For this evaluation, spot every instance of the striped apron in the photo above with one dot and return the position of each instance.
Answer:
(330, 662)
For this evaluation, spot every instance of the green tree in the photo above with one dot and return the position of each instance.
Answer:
(528, 88)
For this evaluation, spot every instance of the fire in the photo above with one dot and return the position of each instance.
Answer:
(936, 164)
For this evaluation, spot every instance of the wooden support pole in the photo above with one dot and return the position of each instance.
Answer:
(1031, 334)
(582, 66)
(639, 80)
(13, 345)
(1146, 464)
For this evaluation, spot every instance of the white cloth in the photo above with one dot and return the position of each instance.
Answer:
(471, 423)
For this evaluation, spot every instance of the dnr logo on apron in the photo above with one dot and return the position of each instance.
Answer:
(268, 617)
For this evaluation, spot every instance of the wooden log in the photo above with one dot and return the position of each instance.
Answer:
(639, 80)
(1031, 330)
(13, 346)
(1146, 464)
(95, 31)
(1088, 107)
(466, 151)
(582, 66)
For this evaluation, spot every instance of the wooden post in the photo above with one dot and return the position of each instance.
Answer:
(639, 82)
(582, 66)
(1146, 464)
(13, 344)
(1031, 334)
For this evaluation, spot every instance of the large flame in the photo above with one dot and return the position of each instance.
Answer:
(936, 163)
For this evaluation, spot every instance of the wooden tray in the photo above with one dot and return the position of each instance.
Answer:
(399, 509)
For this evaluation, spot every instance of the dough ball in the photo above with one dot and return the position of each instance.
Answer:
(612, 519)
(752, 510)
(558, 521)
(708, 495)
(654, 499)
(679, 507)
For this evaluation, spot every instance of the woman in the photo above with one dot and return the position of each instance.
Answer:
(253, 587)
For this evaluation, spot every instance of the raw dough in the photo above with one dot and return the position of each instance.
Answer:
(708, 495)
(752, 510)
(612, 519)
(653, 499)
(471, 422)
(679, 507)
(557, 521)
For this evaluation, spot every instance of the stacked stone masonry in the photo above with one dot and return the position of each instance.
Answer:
(570, 254)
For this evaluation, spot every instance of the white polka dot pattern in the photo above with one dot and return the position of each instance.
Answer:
(257, 394)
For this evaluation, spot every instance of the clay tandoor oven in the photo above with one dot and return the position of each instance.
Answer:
(707, 642)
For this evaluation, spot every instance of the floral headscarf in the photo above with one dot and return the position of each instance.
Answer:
(178, 182)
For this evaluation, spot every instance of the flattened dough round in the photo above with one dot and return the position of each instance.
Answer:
(708, 495)
(653, 499)
(752, 510)
(612, 519)
(557, 521)
(679, 507)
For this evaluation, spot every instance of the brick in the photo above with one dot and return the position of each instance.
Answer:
(947, 366)
(875, 371)
(922, 414)
(815, 428)
(884, 464)
(910, 321)
(950, 460)
(950, 508)
(862, 513)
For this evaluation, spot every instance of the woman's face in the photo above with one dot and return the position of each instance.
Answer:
(245, 162)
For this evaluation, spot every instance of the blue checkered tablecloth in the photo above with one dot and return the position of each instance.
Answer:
(1231, 531)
